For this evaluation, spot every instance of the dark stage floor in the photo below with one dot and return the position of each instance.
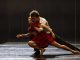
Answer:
(21, 51)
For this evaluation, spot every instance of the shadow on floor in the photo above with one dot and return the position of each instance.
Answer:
(44, 57)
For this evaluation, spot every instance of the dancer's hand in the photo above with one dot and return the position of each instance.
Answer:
(19, 36)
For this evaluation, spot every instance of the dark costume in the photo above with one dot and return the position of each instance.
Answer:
(63, 42)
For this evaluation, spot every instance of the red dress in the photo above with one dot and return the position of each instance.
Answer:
(42, 39)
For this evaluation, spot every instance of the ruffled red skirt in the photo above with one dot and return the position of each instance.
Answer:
(43, 39)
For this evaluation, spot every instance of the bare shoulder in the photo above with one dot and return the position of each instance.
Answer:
(43, 25)
(42, 20)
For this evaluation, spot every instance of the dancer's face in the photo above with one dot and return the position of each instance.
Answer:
(35, 19)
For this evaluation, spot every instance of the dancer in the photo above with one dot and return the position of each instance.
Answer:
(42, 38)
(42, 35)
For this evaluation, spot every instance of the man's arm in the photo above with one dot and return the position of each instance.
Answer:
(49, 29)
(39, 29)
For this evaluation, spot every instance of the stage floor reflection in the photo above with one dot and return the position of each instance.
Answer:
(21, 51)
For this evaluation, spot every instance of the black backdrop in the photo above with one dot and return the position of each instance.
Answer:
(62, 15)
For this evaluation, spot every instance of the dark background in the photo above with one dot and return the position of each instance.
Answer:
(62, 15)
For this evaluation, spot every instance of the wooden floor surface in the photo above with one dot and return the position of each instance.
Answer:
(21, 51)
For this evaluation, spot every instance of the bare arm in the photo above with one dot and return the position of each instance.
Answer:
(39, 29)
(23, 35)
(49, 29)
(42, 27)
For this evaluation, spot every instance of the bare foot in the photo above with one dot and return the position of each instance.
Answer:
(76, 52)
(42, 51)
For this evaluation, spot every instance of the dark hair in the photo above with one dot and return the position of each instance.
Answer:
(34, 13)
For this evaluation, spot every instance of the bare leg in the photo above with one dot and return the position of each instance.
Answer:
(54, 43)
(34, 45)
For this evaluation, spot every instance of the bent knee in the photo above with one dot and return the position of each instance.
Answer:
(31, 43)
